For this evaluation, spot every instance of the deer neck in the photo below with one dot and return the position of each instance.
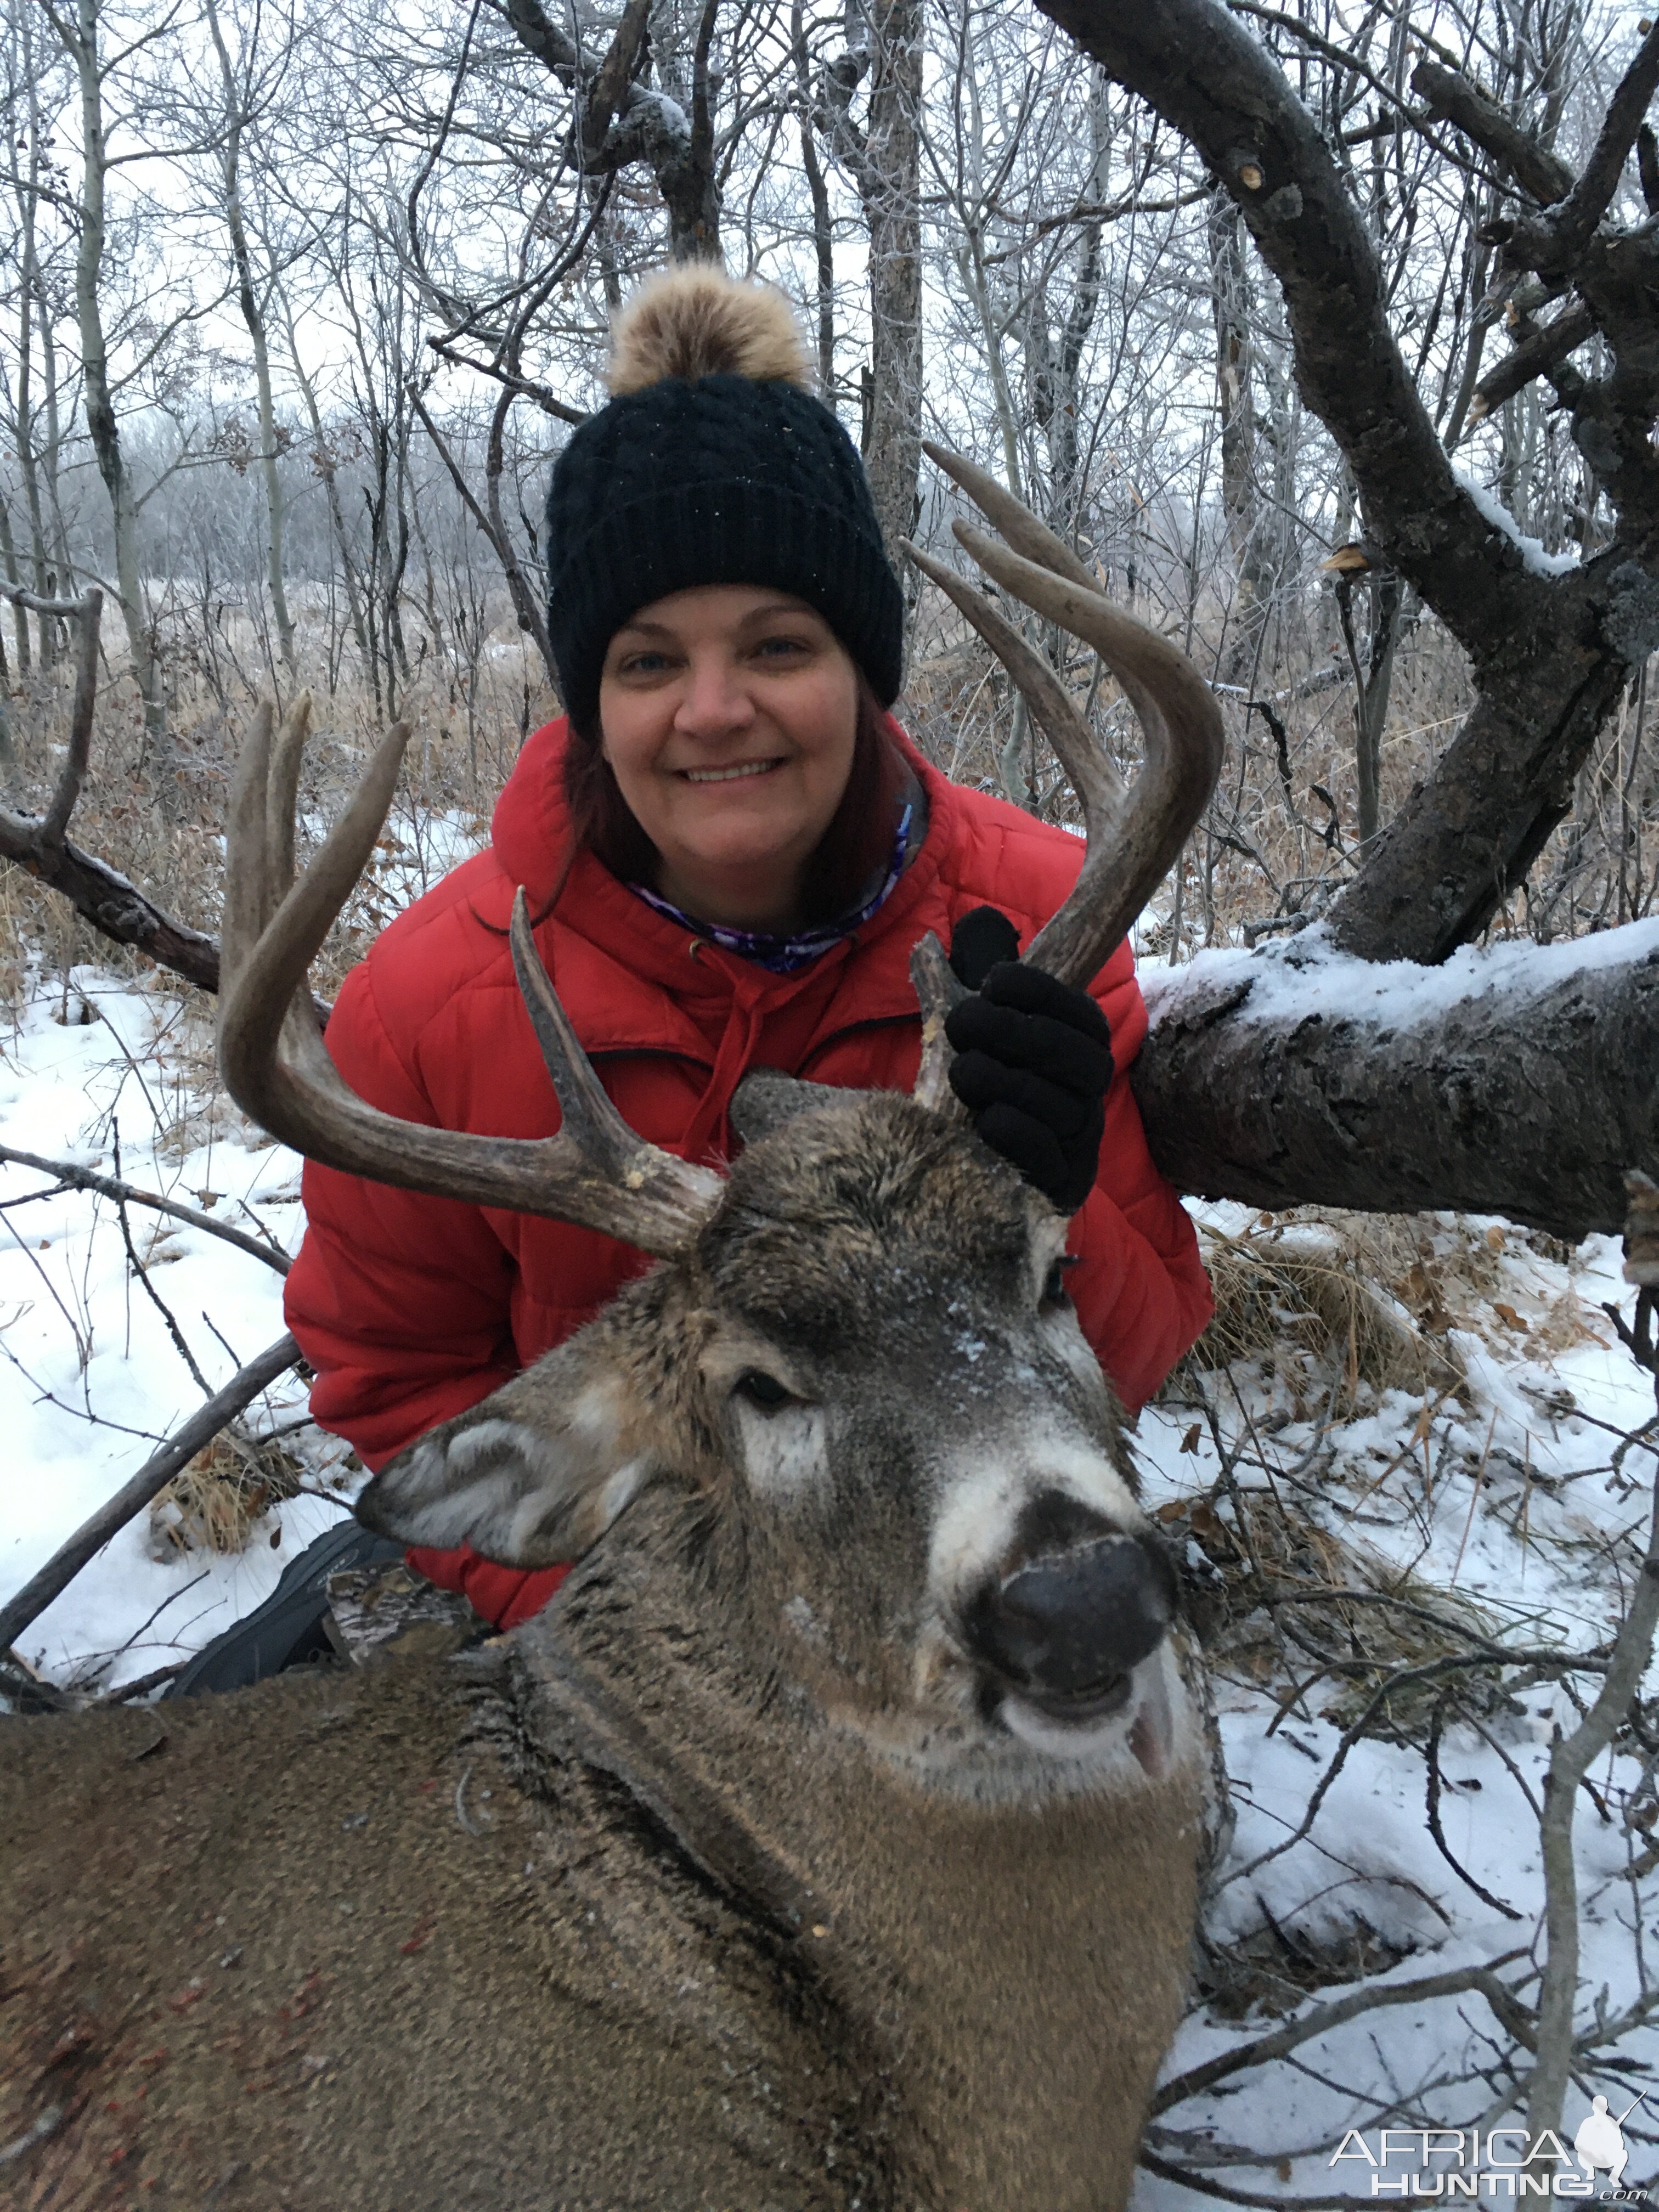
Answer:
(1015, 1971)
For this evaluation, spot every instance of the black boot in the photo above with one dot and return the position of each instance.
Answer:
(287, 1630)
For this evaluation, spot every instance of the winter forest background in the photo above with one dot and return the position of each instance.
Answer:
(1349, 387)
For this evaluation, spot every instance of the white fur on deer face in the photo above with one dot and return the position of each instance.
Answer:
(868, 1366)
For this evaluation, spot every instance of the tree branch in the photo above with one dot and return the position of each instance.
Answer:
(1528, 1095)
(1532, 357)
(1323, 2018)
(103, 896)
(1571, 1760)
(1552, 243)
(79, 1178)
(1449, 97)
(1200, 69)
(615, 73)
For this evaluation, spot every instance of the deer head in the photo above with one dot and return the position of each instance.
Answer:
(857, 1364)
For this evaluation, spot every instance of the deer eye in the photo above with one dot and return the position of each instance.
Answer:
(1054, 1293)
(762, 1390)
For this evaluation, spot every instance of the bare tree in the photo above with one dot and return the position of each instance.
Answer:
(78, 28)
(883, 157)
(241, 102)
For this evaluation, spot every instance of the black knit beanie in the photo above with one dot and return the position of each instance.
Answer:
(712, 465)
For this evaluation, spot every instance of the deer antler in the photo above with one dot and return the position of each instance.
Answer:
(595, 1172)
(1135, 829)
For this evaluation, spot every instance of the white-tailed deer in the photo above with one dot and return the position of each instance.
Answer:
(831, 1840)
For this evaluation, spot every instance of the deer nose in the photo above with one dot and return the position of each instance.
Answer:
(1068, 1627)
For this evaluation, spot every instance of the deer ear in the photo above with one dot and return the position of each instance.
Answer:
(531, 1475)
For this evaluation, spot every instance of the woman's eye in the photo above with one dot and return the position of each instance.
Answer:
(763, 1389)
(780, 648)
(1055, 1292)
(643, 663)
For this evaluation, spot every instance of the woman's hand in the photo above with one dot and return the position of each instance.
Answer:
(1034, 1060)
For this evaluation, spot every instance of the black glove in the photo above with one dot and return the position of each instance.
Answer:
(1034, 1059)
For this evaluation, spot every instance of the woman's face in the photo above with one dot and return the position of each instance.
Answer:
(728, 715)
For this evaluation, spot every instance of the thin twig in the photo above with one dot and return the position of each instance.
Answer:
(1188, 2179)
(144, 1684)
(79, 1178)
(1326, 2017)
(1431, 1759)
(154, 1296)
(54, 824)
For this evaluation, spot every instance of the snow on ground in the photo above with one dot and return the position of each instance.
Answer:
(91, 1380)
(1508, 1501)
(1503, 1497)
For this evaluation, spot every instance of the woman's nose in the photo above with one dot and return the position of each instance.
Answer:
(715, 701)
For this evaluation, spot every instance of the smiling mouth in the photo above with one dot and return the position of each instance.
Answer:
(729, 774)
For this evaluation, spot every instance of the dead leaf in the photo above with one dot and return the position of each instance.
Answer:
(1189, 1442)
(1508, 1316)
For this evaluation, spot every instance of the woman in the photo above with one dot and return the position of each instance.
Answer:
(729, 848)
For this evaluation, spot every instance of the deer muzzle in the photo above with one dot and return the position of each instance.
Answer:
(1067, 1630)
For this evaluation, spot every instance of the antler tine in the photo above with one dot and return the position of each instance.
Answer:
(281, 791)
(1134, 832)
(1030, 537)
(1101, 790)
(600, 1159)
(938, 990)
(247, 890)
(595, 1172)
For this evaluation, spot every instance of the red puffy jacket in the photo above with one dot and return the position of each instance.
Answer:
(412, 1308)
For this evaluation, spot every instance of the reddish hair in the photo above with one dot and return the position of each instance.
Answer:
(858, 840)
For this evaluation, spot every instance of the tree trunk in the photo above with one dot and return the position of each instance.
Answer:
(890, 182)
(1520, 1083)
(20, 617)
(1373, 679)
(322, 460)
(28, 299)
(253, 316)
(822, 234)
(81, 39)
(1230, 305)
(1065, 450)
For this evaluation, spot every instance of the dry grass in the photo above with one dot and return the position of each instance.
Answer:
(1337, 1308)
(216, 1503)
(1325, 1301)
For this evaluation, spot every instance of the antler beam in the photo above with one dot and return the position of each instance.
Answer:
(1135, 831)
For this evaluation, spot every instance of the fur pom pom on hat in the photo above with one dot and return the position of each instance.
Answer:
(699, 322)
(713, 463)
